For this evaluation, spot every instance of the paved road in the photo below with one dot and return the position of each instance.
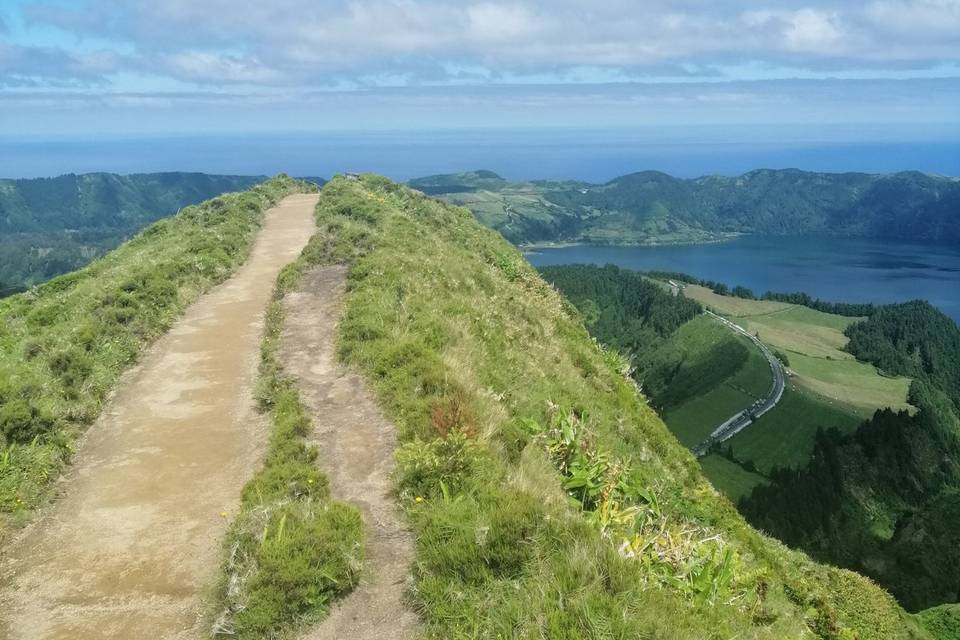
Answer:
(742, 420)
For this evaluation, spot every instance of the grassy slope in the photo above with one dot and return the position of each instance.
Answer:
(64, 344)
(693, 418)
(502, 400)
(943, 622)
(814, 342)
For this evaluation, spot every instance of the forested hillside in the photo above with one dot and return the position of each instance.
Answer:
(884, 499)
(653, 207)
(49, 226)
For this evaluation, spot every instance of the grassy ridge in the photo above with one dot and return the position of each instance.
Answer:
(292, 549)
(64, 344)
(548, 500)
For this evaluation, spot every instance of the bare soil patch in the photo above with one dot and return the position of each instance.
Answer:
(356, 447)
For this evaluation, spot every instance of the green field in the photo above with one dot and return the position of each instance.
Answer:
(814, 343)
(693, 420)
(730, 478)
(500, 208)
(827, 387)
(784, 435)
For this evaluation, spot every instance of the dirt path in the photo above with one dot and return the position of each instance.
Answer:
(356, 450)
(131, 547)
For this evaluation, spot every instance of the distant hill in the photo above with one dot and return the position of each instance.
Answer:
(49, 226)
(650, 207)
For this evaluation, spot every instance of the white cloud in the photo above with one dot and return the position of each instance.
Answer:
(358, 42)
(920, 19)
(212, 68)
(815, 32)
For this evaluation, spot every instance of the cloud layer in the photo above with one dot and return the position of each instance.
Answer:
(362, 43)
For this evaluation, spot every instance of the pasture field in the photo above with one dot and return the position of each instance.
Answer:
(784, 436)
(729, 478)
(814, 342)
(695, 418)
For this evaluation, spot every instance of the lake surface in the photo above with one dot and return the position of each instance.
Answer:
(835, 269)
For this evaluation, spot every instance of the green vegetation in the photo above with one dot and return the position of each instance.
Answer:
(621, 308)
(816, 347)
(912, 339)
(885, 499)
(64, 344)
(653, 208)
(547, 499)
(880, 497)
(729, 477)
(881, 500)
(50, 226)
(942, 622)
(707, 374)
(291, 549)
(696, 372)
(785, 435)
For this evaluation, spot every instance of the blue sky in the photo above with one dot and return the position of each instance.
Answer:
(79, 67)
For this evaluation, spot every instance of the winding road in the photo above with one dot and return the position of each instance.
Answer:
(743, 419)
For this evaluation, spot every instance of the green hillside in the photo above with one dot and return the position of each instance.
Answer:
(65, 343)
(884, 499)
(654, 208)
(547, 499)
(50, 226)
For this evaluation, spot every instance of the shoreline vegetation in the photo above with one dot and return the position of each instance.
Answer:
(651, 206)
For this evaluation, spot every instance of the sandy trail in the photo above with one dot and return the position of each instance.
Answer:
(356, 450)
(131, 547)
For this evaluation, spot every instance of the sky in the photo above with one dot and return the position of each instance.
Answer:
(889, 69)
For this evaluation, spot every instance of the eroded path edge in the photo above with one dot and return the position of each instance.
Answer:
(356, 444)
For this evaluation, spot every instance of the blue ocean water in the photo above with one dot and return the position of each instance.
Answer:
(595, 156)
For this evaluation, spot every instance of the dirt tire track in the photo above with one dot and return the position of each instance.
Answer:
(130, 548)
(356, 446)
